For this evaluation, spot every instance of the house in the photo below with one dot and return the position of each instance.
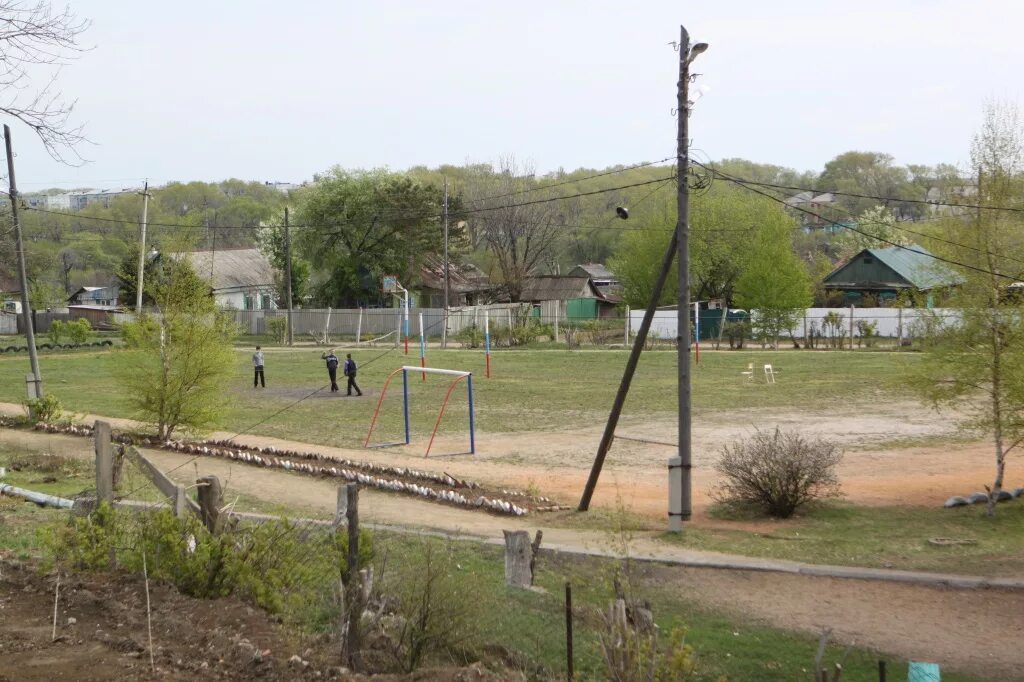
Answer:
(242, 279)
(467, 284)
(883, 274)
(807, 203)
(10, 294)
(95, 296)
(576, 296)
(604, 279)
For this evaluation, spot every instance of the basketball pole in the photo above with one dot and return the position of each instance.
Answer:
(423, 347)
(487, 343)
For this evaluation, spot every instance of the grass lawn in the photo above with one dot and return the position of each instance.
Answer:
(529, 390)
(884, 537)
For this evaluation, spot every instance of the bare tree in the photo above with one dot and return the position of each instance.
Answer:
(34, 38)
(518, 227)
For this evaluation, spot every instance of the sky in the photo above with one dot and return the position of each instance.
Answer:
(273, 91)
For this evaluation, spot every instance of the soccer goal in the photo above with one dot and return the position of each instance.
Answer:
(456, 377)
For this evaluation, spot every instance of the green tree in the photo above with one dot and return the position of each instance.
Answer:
(270, 240)
(870, 173)
(774, 283)
(356, 226)
(724, 224)
(976, 365)
(182, 356)
(876, 228)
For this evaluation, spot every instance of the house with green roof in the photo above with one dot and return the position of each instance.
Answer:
(883, 274)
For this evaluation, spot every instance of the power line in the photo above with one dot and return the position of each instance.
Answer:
(902, 200)
(867, 234)
(571, 181)
(897, 225)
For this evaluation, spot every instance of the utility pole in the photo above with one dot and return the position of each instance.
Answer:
(142, 249)
(444, 338)
(288, 274)
(680, 503)
(26, 312)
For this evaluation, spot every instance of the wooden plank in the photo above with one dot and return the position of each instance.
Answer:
(164, 484)
(104, 462)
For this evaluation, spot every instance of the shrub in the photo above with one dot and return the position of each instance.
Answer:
(470, 337)
(277, 328)
(57, 332)
(136, 334)
(79, 330)
(46, 409)
(777, 472)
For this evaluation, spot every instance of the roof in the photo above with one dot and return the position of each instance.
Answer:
(9, 284)
(914, 264)
(596, 271)
(233, 268)
(558, 288)
(462, 278)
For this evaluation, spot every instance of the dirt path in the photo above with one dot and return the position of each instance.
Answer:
(975, 631)
(556, 463)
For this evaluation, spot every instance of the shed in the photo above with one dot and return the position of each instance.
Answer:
(577, 293)
(603, 279)
(886, 273)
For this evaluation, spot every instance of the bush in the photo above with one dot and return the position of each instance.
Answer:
(277, 328)
(57, 333)
(137, 334)
(777, 472)
(79, 330)
(46, 409)
(470, 337)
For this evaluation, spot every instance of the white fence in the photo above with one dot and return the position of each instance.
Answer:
(889, 322)
(8, 323)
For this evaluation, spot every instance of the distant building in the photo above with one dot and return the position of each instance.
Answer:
(604, 280)
(467, 284)
(76, 200)
(242, 279)
(576, 294)
(805, 204)
(284, 186)
(883, 274)
(95, 296)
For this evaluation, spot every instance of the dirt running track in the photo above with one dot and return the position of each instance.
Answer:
(975, 631)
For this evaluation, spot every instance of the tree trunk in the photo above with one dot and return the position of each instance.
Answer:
(997, 410)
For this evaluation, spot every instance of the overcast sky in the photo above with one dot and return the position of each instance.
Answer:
(279, 91)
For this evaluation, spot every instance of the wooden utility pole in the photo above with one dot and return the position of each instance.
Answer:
(447, 300)
(288, 275)
(142, 249)
(26, 310)
(680, 491)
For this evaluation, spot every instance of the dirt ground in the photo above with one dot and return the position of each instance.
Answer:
(102, 634)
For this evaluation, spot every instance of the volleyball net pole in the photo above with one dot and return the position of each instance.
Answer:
(487, 344)
(423, 347)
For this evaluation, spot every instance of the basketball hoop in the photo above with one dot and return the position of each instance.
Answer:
(390, 284)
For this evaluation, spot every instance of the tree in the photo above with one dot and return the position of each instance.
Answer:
(724, 223)
(977, 364)
(870, 173)
(356, 226)
(774, 283)
(876, 228)
(183, 355)
(271, 242)
(520, 235)
(33, 37)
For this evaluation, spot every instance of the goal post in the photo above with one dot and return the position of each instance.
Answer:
(456, 377)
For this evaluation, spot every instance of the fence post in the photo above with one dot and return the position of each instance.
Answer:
(359, 327)
(568, 633)
(627, 326)
(180, 499)
(557, 306)
(899, 328)
(520, 555)
(104, 462)
(353, 601)
(881, 671)
(211, 499)
(851, 326)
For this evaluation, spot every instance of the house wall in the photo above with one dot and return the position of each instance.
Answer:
(861, 272)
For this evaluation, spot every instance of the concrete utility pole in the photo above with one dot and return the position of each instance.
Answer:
(447, 300)
(680, 503)
(142, 249)
(26, 311)
(288, 275)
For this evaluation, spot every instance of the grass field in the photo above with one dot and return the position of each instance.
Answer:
(529, 390)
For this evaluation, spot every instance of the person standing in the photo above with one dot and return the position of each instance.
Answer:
(257, 364)
(332, 368)
(350, 372)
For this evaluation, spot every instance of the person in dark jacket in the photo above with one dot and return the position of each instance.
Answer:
(350, 372)
(332, 368)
